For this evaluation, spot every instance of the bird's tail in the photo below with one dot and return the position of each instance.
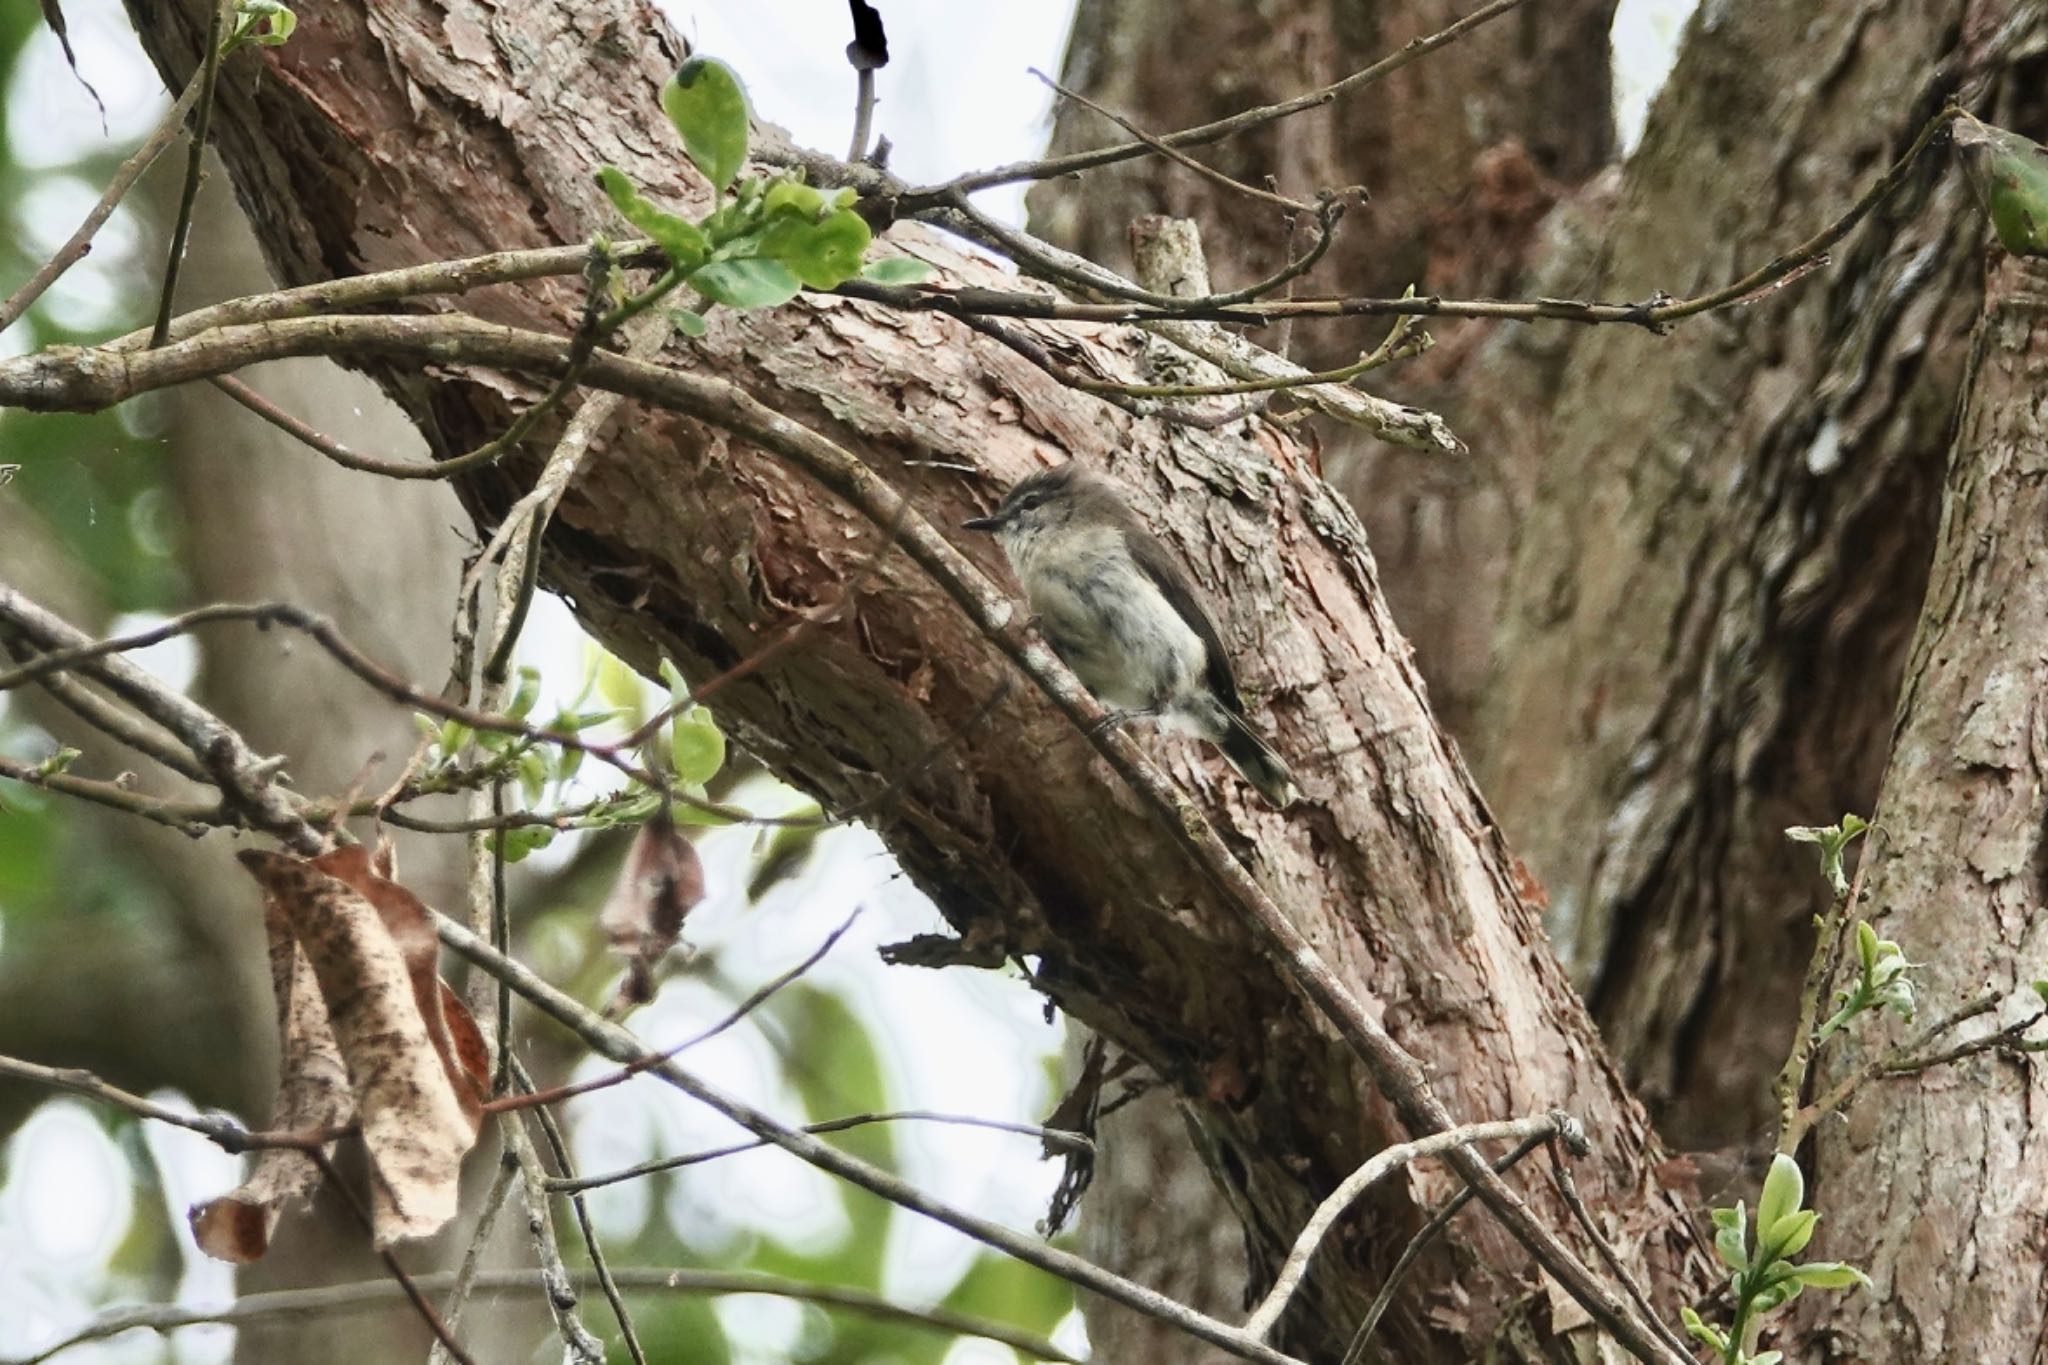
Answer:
(1260, 766)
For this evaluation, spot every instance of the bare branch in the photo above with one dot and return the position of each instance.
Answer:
(1376, 1168)
(1050, 168)
(79, 244)
(244, 778)
(609, 1040)
(1055, 1139)
(366, 1294)
(195, 166)
(581, 1346)
(1561, 1171)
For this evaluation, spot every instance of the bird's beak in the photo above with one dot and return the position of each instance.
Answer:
(982, 524)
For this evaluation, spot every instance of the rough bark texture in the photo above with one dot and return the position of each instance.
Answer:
(1463, 153)
(1937, 1183)
(1713, 591)
(393, 132)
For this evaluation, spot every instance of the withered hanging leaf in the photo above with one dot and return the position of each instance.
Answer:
(449, 1023)
(312, 1093)
(2010, 176)
(415, 1123)
(643, 916)
(53, 15)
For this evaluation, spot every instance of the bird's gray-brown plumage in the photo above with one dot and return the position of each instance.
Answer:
(1114, 603)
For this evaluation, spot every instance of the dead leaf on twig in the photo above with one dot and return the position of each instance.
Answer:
(643, 916)
(416, 1065)
(53, 15)
(411, 925)
(312, 1094)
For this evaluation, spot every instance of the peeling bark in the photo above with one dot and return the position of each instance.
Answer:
(1937, 1182)
(394, 132)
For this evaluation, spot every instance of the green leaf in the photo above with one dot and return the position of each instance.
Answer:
(1767, 1358)
(822, 254)
(688, 323)
(2041, 989)
(782, 856)
(746, 284)
(1866, 944)
(697, 815)
(525, 839)
(1793, 1232)
(708, 106)
(1731, 1237)
(896, 270)
(1830, 1275)
(1714, 1337)
(526, 694)
(1832, 840)
(2010, 176)
(696, 746)
(533, 775)
(678, 239)
(618, 684)
(263, 22)
(793, 196)
(454, 736)
(1784, 1190)
(567, 764)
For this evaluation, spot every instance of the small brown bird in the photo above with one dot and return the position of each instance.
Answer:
(1124, 614)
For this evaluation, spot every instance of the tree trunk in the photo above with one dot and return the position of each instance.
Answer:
(386, 135)
(1936, 1184)
(1463, 153)
(1713, 592)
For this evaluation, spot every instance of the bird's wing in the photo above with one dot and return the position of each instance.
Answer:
(1166, 573)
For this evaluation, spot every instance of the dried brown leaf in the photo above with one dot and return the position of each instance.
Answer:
(449, 1023)
(409, 1104)
(312, 1093)
(643, 916)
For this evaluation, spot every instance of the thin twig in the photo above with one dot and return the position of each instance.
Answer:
(1050, 168)
(515, 545)
(565, 1163)
(420, 1302)
(863, 111)
(577, 1340)
(1055, 1140)
(144, 737)
(1561, 1172)
(754, 1001)
(245, 780)
(473, 1256)
(195, 167)
(222, 1131)
(367, 1294)
(307, 434)
(187, 817)
(1438, 1221)
(79, 244)
(609, 1040)
(1174, 154)
(1375, 1168)
(80, 651)
(1790, 1086)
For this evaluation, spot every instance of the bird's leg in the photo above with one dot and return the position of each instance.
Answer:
(1116, 719)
